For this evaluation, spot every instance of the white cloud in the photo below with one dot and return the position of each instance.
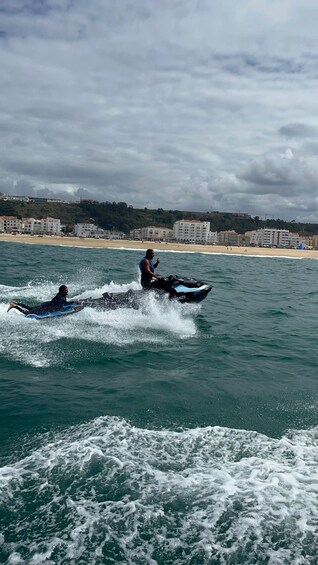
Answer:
(170, 104)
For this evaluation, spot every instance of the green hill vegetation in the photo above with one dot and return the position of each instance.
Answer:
(122, 217)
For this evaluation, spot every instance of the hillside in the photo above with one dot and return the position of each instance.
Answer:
(120, 216)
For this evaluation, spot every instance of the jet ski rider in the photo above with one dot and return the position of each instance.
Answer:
(147, 269)
(56, 303)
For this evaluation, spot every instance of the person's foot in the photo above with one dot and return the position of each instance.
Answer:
(12, 305)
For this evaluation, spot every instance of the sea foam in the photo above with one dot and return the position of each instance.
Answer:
(107, 491)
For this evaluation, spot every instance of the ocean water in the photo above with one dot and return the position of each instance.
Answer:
(173, 434)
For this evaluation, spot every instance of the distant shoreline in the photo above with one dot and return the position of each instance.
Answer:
(162, 246)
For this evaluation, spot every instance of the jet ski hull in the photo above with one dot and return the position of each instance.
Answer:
(181, 289)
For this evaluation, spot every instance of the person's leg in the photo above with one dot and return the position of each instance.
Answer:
(24, 308)
(11, 305)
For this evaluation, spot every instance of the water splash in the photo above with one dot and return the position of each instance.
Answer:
(42, 343)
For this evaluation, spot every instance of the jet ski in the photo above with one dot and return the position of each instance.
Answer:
(182, 289)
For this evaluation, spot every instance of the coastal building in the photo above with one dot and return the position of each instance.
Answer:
(152, 233)
(313, 241)
(191, 231)
(9, 224)
(51, 226)
(294, 240)
(269, 237)
(110, 234)
(228, 237)
(85, 230)
(91, 230)
(249, 237)
(212, 237)
(23, 198)
(31, 226)
(243, 240)
(48, 226)
(43, 199)
(7, 197)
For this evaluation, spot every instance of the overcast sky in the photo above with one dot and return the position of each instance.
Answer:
(180, 104)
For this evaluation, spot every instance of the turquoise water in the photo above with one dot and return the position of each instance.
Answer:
(182, 434)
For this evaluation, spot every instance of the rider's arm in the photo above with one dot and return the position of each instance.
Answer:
(145, 266)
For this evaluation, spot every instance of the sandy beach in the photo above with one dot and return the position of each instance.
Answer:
(162, 246)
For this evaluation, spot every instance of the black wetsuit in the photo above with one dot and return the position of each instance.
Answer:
(56, 303)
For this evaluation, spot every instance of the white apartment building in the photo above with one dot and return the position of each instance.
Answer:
(213, 237)
(91, 230)
(152, 233)
(50, 226)
(85, 230)
(269, 237)
(31, 225)
(192, 231)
